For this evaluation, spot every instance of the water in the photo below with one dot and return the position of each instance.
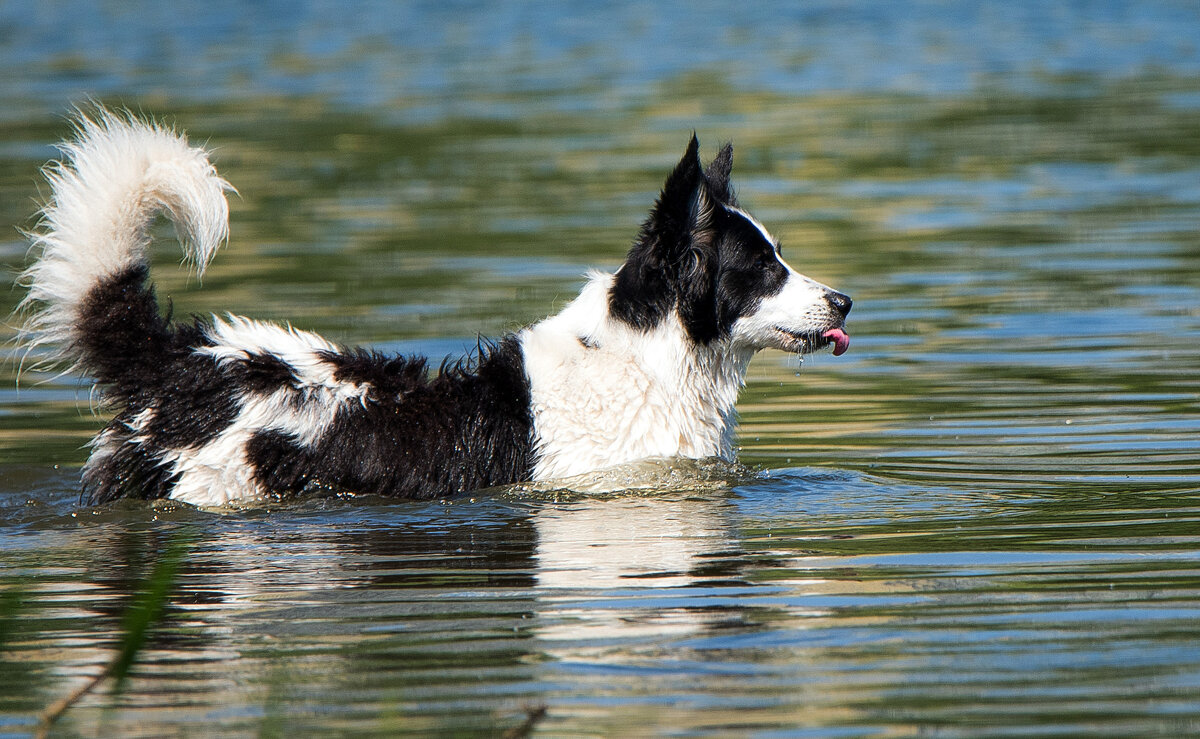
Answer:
(983, 520)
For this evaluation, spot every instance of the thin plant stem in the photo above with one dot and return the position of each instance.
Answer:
(145, 612)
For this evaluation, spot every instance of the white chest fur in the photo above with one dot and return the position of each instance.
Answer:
(605, 393)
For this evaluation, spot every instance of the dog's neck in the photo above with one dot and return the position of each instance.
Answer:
(606, 393)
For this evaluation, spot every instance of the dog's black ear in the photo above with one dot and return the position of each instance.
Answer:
(695, 273)
(673, 261)
(675, 213)
(718, 174)
(683, 207)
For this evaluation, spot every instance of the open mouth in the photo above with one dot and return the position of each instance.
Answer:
(803, 343)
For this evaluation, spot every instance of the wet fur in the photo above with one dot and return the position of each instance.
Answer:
(646, 362)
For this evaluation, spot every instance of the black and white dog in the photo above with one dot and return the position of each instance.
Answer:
(646, 362)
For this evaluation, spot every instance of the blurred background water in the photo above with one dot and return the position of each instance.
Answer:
(983, 520)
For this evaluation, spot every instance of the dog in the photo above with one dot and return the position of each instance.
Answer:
(645, 363)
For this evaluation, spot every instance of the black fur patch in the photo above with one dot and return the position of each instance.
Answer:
(718, 174)
(122, 337)
(142, 363)
(748, 270)
(132, 470)
(695, 256)
(194, 398)
(470, 427)
(266, 373)
(412, 436)
(647, 286)
(386, 377)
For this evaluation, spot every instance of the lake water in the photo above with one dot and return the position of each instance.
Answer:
(982, 520)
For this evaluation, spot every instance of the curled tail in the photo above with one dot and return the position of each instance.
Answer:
(88, 300)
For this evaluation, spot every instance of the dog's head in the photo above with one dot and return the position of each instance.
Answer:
(702, 257)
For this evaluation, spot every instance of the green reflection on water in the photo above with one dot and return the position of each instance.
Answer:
(944, 217)
(1013, 432)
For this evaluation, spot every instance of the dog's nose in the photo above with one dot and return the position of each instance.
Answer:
(841, 303)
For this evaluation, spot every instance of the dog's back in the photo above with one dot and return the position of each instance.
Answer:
(212, 411)
(646, 362)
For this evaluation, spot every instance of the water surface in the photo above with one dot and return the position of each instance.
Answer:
(983, 520)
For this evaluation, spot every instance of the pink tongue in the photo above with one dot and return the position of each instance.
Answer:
(840, 339)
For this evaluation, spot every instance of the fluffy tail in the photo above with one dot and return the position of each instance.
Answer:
(87, 299)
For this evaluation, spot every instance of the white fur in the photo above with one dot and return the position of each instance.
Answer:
(631, 394)
(623, 394)
(104, 194)
(238, 338)
(604, 393)
(753, 222)
(800, 308)
(218, 473)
